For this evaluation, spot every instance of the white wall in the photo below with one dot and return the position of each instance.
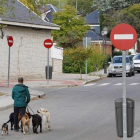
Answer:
(28, 55)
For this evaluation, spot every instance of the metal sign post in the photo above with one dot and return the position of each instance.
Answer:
(48, 68)
(124, 97)
(86, 60)
(8, 68)
(86, 43)
(48, 43)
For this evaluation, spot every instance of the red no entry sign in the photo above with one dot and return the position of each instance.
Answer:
(10, 41)
(48, 43)
(123, 36)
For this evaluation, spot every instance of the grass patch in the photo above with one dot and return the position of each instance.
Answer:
(1, 94)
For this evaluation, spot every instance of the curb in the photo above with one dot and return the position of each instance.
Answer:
(93, 80)
(53, 86)
(32, 99)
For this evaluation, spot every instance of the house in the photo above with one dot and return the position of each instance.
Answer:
(28, 55)
(47, 12)
(96, 38)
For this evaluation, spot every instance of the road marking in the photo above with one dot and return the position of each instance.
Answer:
(118, 84)
(89, 85)
(104, 84)
(123, 36)
(133, 84)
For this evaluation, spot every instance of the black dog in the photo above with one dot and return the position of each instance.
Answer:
(36, 121)
(5, 129)
(11, 119)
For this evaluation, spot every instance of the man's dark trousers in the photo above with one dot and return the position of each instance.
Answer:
(16, 111)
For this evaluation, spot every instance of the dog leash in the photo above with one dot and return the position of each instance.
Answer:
(30, 108)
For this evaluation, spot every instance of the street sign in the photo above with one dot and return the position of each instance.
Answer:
(48, 43)
(10, 41)
(86, 41)
(123, 36)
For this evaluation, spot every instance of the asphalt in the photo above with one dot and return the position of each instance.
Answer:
(57, 81)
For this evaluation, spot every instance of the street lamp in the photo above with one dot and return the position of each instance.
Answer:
(104, 33)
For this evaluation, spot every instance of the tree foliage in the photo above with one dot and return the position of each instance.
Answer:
(78, 56)
(112, 5)
(2, 6)
(72, 27)
(83, 6)
(97, 57)
(130, 15)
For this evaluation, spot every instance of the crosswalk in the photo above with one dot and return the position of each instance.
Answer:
(106, 84)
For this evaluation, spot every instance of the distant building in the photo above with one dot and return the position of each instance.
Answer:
(47, 12)
(96, 38)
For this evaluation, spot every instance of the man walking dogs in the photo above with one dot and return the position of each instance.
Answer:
(21, 97)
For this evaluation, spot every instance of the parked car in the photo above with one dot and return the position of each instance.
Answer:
(136, 60)
(132, 56)
(115, 66)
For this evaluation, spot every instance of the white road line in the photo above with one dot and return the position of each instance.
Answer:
(104, 84)
(118, 84)
(133, 84)
(123, 36)
(89, 85)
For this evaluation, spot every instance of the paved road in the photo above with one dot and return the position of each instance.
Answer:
(84, 112)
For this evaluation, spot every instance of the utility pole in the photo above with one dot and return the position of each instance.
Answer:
(59, 4)
(76, 5)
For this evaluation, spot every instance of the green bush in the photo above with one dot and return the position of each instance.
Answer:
(70, 67)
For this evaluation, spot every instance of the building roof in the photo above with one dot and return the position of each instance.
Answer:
(93, 18)
(23, 16)
(95, 36)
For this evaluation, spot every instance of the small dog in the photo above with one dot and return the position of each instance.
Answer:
(46, 118)
(36, 121)
(25, 122)
(4, 129)
(11, 119)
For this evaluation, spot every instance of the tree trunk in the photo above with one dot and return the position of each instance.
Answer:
(97, 70)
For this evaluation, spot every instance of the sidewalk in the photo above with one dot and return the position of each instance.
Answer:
(136, 135)
(59, 80)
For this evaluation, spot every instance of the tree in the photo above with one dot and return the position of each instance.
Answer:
(112, 5)
(72, 27)
(83, 6)
(97, 57)
(128, 15)
(78, 55)
(2, 6)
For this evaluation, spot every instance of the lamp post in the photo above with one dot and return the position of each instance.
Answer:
(104, 33)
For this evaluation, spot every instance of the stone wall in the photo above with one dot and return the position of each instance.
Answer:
(28, 55)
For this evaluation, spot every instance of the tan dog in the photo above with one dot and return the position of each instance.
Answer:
(25, 122)
(46, 118)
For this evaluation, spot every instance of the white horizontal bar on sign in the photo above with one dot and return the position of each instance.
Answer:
(48, 43)
(123, 36)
